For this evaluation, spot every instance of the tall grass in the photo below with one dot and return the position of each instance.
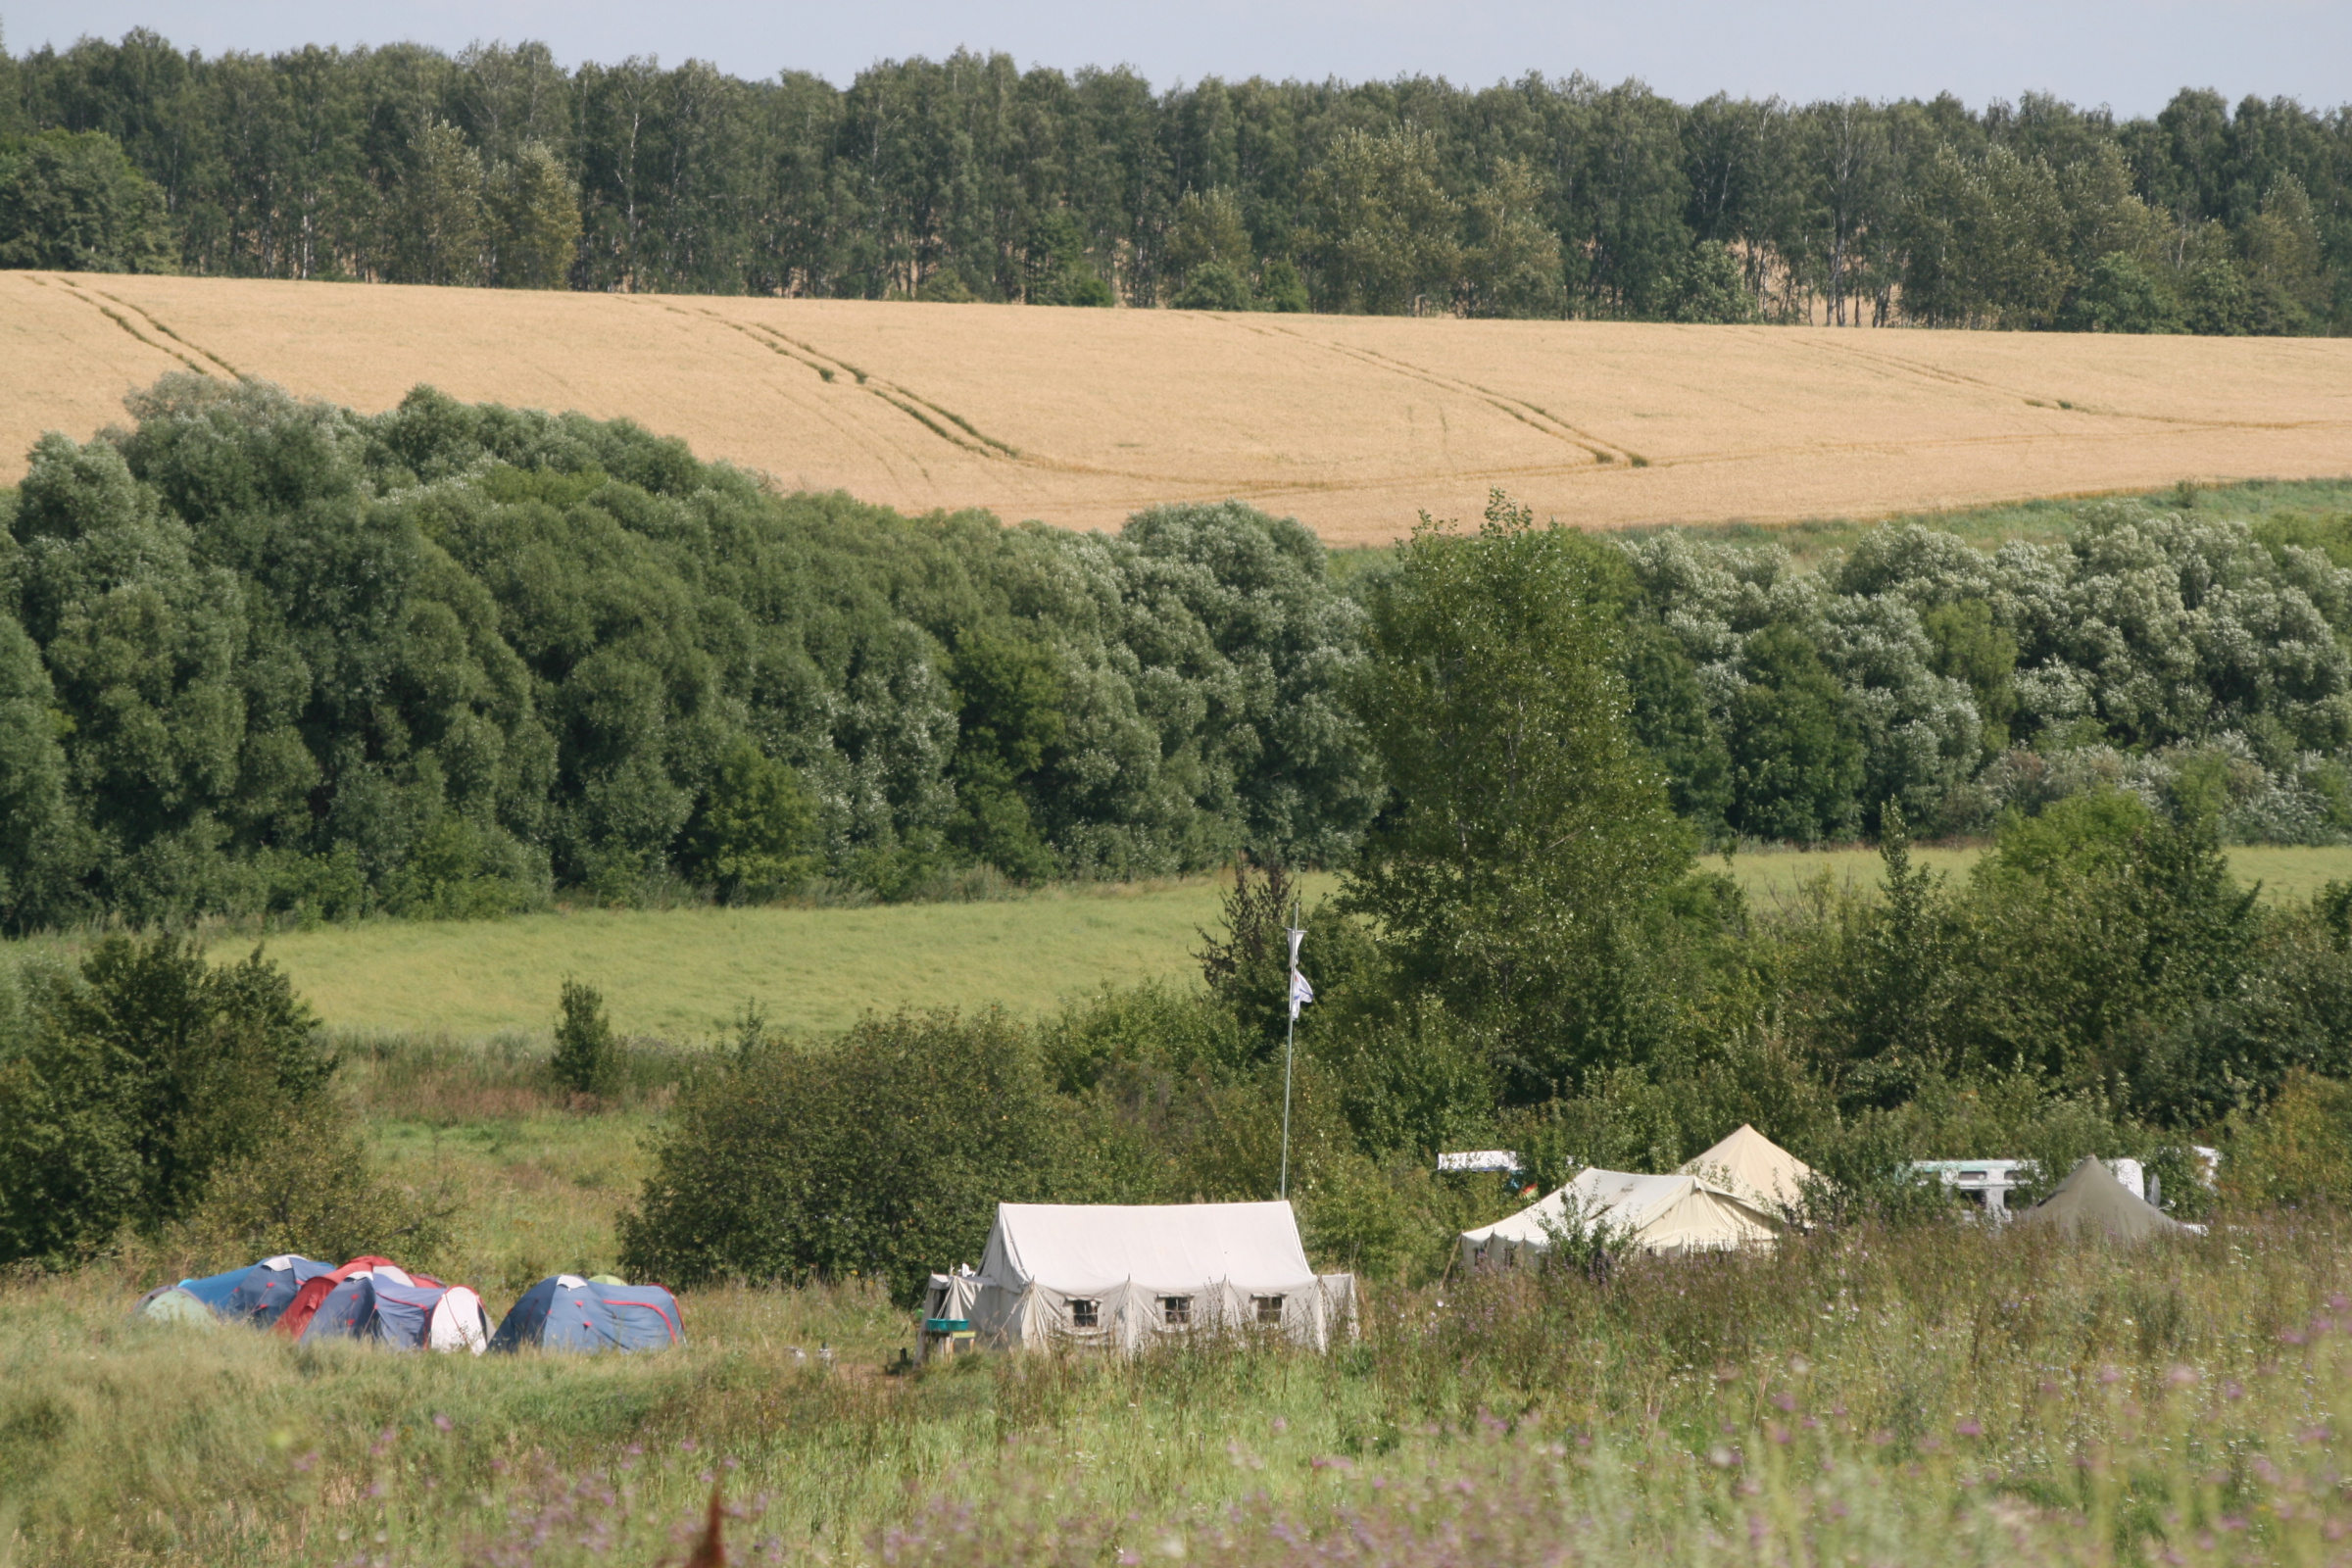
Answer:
(1943, 1396)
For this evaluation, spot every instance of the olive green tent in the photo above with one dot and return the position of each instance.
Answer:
(2091, 1197)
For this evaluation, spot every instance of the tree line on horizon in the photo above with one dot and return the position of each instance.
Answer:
(967, 178)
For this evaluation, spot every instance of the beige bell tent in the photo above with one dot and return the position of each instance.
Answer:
(1754, 1169)
(2093, 1198)
(1120, 1276)
(1677, 1213)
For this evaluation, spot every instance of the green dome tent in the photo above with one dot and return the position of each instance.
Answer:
(176, 1305)
(2092, 1197)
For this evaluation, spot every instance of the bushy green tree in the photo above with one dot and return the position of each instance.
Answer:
(41, 837)
(1214, 286)
(137, 1080)
(1511, 262)
(1380, 230)
(1710, 287)
(1208, 230)
(1797, 760)
(1060, 269)
(755, 829)
(2121, 295)
(72, 201)
(1670, 717)
(1527, 838)
(441, 211)
(536, 234)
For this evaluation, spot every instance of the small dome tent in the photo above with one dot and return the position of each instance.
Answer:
(259, 1292)
(567, 1313)
(296, 1318)
(175, 1303)
(1120, 1275)
(1754, 1169)
(1677, 1213)
(384, 1306)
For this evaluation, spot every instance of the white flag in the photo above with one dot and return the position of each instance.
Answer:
(1300, 992)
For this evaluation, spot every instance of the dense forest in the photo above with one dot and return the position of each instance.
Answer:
(969, 179)
(259, 654)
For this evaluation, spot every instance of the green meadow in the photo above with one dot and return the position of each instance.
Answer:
(686, 974)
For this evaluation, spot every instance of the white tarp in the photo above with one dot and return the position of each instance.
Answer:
(1754, 1169)
(1677, 1213)
(1120, 1276)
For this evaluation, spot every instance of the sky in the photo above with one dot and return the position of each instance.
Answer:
(2132, 54)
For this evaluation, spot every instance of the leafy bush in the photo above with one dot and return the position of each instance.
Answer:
(128, 1087)
(314, 1192)
(2298, 1151)
(587, 1059)
(884, 1154)
(71, 200)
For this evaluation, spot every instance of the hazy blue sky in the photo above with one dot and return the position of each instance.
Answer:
(2131, 54)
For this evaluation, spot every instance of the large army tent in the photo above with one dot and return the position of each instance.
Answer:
(2093, 1198)
(1677, 1213)
(1118, 1276)
(566, 1313)
(385, 1307)
(1754, 1169)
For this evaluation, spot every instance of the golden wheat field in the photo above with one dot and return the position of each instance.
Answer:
(1353, 425)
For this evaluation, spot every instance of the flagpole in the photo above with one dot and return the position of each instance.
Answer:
(1289, 1041)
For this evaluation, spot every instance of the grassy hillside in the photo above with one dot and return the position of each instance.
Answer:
(1353, 425)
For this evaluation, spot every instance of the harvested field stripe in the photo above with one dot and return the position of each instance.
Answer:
(1564, 432)
(164, 327)
(966, 425)
(927, 422)
(124, 323)
(824, 371)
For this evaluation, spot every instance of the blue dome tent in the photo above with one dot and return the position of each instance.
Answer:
(569, 1313)
(257, 1293)
(384, 1307)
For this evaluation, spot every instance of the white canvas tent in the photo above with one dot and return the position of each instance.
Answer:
(1120, 1276)
(1677, 1213)
(1754, 1169)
